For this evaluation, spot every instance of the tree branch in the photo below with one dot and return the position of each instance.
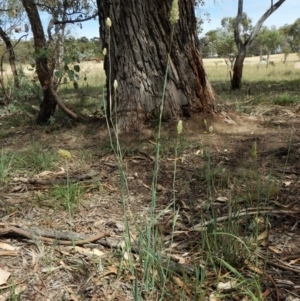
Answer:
(75, 20)
(238, 25)
(67, 111)
(260, 22)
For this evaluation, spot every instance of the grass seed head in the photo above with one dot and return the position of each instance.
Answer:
(108, 22)
(174, 16)
(65, 154)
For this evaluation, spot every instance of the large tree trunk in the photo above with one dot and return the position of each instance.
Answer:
(139, 45)
(236, 82)
(48, 105)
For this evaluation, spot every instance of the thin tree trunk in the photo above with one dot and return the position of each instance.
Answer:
(268, 58)
(243, 46)
(48, 105)
(139, 42)
(12, 57)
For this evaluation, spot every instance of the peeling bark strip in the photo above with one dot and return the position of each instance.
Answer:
(139, 45)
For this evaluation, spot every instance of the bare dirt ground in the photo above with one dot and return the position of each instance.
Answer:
(252, 162)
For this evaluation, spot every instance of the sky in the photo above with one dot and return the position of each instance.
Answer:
(287, 13)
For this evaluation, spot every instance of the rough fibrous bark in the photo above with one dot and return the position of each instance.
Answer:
(139, 42)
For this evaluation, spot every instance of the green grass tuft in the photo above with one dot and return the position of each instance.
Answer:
(36, 159)
(5, 164)
(67, 196)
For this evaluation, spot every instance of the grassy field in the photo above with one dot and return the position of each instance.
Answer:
(80, 220)
(254, 60)
(217, 69)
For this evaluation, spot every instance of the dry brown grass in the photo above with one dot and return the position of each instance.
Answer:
(217, 70)
(276, 58)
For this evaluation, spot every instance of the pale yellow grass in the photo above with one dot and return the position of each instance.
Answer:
(217, 70)
(91, 70)
(276, 58)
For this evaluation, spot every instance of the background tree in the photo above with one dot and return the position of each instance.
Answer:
(292, 35)
(219, 42)
(225, 46)
(63, 13)
(284, 45)
(70, 12)
(208, 43)
(139, 41)
(229, 24)
(48, 105)
(243, 43)
(269, 40)
(201, 16)
(45, 67)
(11, 18)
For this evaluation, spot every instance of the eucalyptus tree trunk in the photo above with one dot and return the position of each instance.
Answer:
(48, 105)
(243, 46)
(236, 81)
(11, 57)
(139, 41)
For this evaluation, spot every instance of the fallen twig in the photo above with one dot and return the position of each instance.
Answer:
(40, 181)
(70, 242)
(280, 265)
(266, 211)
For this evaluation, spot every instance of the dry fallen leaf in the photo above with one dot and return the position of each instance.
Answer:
(179, 259)
(263, 235)
(294, 261)
(212, 297)
(222, 199)
(72, 294)
(5, 246)
(50, 269)
(88, 251)
(4, 275)
(275, 250)
(110, 270)
(223, 286)
(254, 268)
(181, 284)
(113, 269)
(126, 256)
(9, 253)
